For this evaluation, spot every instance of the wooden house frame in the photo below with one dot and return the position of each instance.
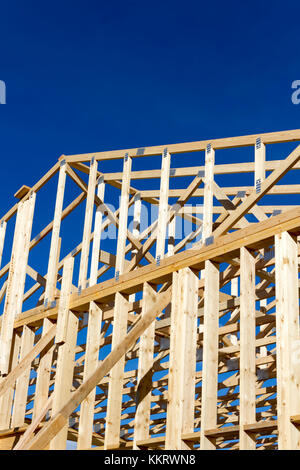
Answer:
(160, 343)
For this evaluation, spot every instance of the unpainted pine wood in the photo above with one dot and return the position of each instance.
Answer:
(234, 291)
(247, 348)
(16, 279)
(10, 299)
(25, 361)
(3, 225)
(43, 372)
(22, 383)
(182, 365)
(163, 205)
(137, 208)
(64, 300)
(287, 339)
(173, 210)
(115, 389)
(114, 401)
(59, 420)
(6, 399)
(147, 339)
(254, 197)
(123, 218)
(33, 426)
(85, 430)
(145, 365)
(83, 270)
(210, 353)
(207, 223)
(46, 356)
(259, 162)
(171, 237)
(54, 247)
(97, 233)
(208, 193)
(228, 142)
(228, 244)
(259, 177)
(86, 420)
(64, 377)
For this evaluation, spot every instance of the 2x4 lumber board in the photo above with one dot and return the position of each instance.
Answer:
(64, 300)
(27, 360)
(23, 259)
(48, 228)
(59, 420)
(229, 142)
(287, 328)
(228, 205)
(97, 234)
(171, 237)
(137, 209)
(154, 442)
(76, 178)
(16, 279)
(163, 205)
(123, 219)
(114, 400)
(251, 237)
(64, 378)
(115, 388)
(22, 192)
(22, 382)
(219, 169)
(265, 426)
(208, 192)
(182, 365)
(172, 212)
(34, 425)
(34, 189)
(247, 348)
(52, 264)
(259, 162)
(145, 364)
(225, 432)
(85, 430)
(44, 369)
(210, 353)
(145, 371)
(2, 238)
(7, 398)
(36, 276)
(85, 250)
(254, 197)
(112, 217)
(229, 190)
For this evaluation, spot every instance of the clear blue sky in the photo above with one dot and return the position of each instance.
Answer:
(94, 75)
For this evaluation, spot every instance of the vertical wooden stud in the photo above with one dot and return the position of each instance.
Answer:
(182, 369)
(287, 339)
(85, 430)
(54, 247)
(115, 389)
(210, 353)
(20, 399)
(247, 348)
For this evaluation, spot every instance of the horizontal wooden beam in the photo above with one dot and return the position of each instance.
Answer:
(228, 142)
(256, 235)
